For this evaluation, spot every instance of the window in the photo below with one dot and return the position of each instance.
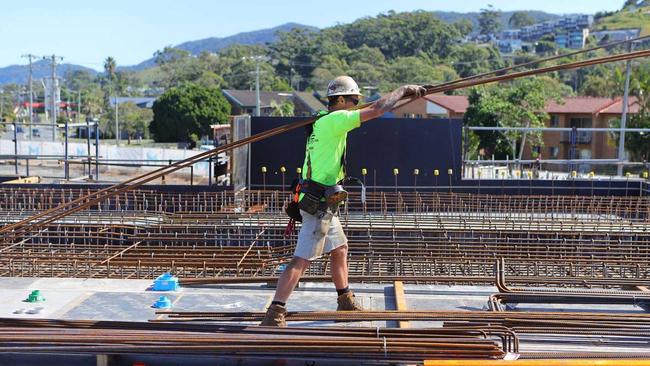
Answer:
(536, 150)
(580, 122)
(555, 121)
(553, 151)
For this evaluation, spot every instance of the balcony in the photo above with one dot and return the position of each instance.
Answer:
(582, 137)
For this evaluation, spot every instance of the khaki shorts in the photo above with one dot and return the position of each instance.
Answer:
(320, 233)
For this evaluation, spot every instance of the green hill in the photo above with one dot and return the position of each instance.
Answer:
(625, 19)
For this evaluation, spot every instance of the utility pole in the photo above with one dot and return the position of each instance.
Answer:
(626, 93)
(53, 61)
(257, 87)
(117, 126)
(79, 106)
(257, 59)
(31, 90)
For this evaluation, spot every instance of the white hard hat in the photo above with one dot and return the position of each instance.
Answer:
(343, 85)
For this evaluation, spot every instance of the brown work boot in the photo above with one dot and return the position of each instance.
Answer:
(275, 316)
(347, 302)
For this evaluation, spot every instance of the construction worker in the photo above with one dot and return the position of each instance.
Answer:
(321, 231)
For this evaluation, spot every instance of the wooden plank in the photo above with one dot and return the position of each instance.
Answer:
(400, 301)
(26, 180)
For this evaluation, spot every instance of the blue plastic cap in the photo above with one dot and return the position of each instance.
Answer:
(162, 303)
(165, 282)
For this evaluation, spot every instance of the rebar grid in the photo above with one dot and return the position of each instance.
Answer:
(595, 208)
(442, 237)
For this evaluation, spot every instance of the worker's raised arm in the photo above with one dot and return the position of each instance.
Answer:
(388, 101)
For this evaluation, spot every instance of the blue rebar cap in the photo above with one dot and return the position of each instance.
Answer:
(166, 282)
(162, 303)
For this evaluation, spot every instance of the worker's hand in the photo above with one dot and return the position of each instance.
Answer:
(414, 91)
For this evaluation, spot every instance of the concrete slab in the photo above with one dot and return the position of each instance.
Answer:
(235, 301)
(54, 301)
(94, 284)
(16, 282)
(117, 306)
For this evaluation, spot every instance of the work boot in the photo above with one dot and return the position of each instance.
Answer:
(347, 302)
(275, 316)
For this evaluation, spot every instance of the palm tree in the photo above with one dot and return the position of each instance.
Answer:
(109, 68)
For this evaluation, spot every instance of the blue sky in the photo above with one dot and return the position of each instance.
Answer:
(86, 32)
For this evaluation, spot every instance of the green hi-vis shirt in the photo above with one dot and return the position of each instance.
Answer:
(326, 146)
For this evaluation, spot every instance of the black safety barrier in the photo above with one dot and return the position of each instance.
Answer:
(378, 146)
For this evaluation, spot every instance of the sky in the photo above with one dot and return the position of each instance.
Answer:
(85, 32)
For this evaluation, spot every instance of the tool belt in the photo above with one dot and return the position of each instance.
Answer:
(315, 197)
(319, 197)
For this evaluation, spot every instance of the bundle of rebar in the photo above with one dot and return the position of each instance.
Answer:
(626, 330)
(382, 345)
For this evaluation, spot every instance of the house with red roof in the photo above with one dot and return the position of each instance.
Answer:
(585, 112)
(570, 112)
(434, 106)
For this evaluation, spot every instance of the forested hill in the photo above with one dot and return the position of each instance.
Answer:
(453, 17)
(214, 44)
(19, 74)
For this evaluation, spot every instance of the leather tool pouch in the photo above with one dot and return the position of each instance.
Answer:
(313, 193)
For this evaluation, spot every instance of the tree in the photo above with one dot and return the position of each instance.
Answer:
(401, 34)
(110, 66)
(417, 70)
(545, 48)
(638, 144)
(296, 53)
(602, 81)
(520, 103)
(7, 101)
(489, 21)
(185, 113)
(134, 120)
(464, 27)
(520, 19)
(284, 109)
(177, 67)
(632, 3)
(470, 59)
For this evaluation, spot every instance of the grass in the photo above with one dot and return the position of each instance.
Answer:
(639, 18)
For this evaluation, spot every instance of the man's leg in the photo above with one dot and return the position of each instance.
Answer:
(286, 283)
(311, 240)
(339, 259)
(337, 246)
(289, 279)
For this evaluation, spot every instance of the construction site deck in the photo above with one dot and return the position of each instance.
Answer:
(491, 272)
